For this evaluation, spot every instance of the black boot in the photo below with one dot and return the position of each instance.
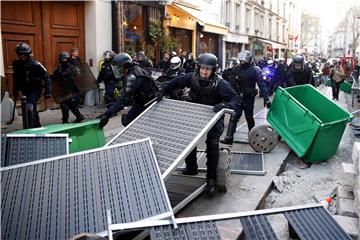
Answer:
(191, 164)
(229, 138)
(210, 187)
(79, 118)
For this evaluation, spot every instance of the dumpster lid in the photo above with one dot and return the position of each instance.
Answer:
(53, 128)
(293, 122)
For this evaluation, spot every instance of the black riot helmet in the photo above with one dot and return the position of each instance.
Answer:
(245, 56)
(63, 56)
(121, 61)
(108, 55)
(208, 60)
(23, 49)
(141, 55)
(298, 62)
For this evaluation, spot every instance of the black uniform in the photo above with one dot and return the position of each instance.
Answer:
(111, 82)
(244, 79)
(75, 61)
(145, 63)
(171, 74)
(227, 73)
(211, 92)
(295, 77)
(164, 65)
(66, 74)
(189, 65)
(139, 89)
(28, 79)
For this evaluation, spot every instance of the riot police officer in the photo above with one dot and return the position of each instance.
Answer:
(66, 74)
(206, 87)
(107, 75)
(143, 60)
(29, 76)
(298, 73)
(139, 89)
(232, 63)
(175, 71)
(244, 79)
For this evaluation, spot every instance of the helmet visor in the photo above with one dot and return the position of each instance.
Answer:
(117, 70)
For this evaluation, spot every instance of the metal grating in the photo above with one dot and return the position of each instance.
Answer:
(3, 150)
(180, 187)
(174, 128)
(205, 230)
(241, 163)
(241, 134)
(63, 196)
(27, 148)
(247, 163)
(315, 223)
(257, 227)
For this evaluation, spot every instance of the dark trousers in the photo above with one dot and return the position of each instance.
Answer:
(335, 89)
(32, 99)
(212, 150)
(67, 105)
(134, 111)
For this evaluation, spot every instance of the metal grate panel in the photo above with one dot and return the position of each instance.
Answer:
(27, 148)
(174, 127)
(179, 187)
(3, 150)
(187, 231)
(241, 163)
(63, 196)
(315, 223)
(241, 134)
(247, 163)
(257, 227)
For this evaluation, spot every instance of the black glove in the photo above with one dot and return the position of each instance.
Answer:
(159, 95)
(267, 104)
(104, 120)
(218, 107)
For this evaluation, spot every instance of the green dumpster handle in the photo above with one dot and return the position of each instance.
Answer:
(301, 106)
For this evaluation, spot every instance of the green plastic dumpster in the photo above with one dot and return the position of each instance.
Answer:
(84, 136)
(345, 87)
(310, 123)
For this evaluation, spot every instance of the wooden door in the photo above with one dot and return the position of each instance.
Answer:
(48, 27)
(20, 22)
(64, 27)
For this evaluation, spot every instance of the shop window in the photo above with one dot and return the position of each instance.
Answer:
(133, 26)
(183, 39)
(208, 43)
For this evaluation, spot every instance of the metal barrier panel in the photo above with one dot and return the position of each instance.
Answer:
(22, 148)
(174, 127)
(315, 223)
(257, 228)
(187, 231)
(59, 197)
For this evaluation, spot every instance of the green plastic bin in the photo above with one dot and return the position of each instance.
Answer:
(84, 136)
(310, 123)
(345, 87)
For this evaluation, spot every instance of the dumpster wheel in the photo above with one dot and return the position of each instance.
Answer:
(263, 138)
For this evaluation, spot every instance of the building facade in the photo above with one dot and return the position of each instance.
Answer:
(265, 27)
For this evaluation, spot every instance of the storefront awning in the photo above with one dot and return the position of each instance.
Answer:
(236, 38)
(273, 44)
(204, 19)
